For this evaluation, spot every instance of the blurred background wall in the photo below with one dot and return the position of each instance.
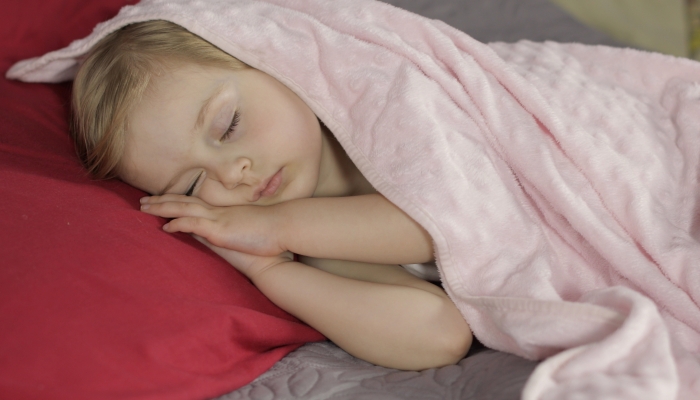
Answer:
(508, 20)
(667, 26)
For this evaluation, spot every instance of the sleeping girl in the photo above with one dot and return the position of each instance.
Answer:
(238, 160)
(556, 185)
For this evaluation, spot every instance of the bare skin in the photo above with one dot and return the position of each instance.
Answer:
(264, 180)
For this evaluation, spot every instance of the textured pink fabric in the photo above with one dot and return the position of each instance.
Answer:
(558, 181)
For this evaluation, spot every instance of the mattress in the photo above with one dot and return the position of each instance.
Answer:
(322, 370)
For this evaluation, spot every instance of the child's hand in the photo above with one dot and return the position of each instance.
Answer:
(248, 264)
(246, 229)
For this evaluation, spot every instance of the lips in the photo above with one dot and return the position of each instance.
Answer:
(269, 187)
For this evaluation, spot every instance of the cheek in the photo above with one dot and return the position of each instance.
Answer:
(308, 174)
(306, 137)
(312, 144)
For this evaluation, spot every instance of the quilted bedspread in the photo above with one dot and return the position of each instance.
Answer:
(320, 371)
(558, 182)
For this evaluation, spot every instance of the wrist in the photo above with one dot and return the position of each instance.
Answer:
(270, 272)
(282, 225)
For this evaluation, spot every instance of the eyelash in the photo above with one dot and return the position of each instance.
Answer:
(234, 122)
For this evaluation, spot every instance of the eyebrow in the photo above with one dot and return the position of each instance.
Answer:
(203, 111)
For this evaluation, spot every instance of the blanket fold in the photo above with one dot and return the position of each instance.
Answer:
(559, 182)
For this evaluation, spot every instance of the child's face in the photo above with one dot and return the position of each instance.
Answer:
(227, 137)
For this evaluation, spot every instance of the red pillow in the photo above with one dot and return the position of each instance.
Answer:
(96, 302)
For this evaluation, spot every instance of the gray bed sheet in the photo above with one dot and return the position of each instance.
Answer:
(322, 370)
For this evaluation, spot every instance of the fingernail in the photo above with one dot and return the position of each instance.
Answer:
(143, 200)
(145, 206)
(166, 226)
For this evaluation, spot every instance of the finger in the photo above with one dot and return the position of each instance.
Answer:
(172, 197)
(199, 226)
(205, 228)
(177, 210)
(208, 229)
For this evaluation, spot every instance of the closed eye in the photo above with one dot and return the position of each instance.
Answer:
(232, 128)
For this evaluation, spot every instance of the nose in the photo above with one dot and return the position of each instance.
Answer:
(233, 173)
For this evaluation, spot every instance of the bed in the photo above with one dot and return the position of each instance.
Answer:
(66, 301)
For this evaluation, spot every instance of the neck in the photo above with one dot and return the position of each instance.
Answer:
(339, 176)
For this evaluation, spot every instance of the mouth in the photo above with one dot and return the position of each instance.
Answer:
(269, 187)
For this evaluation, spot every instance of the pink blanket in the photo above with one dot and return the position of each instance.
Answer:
(558, 181)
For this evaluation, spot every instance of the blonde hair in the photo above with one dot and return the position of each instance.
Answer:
(114, 77)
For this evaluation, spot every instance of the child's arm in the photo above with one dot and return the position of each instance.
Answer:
(379, 313)
(365, 228)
